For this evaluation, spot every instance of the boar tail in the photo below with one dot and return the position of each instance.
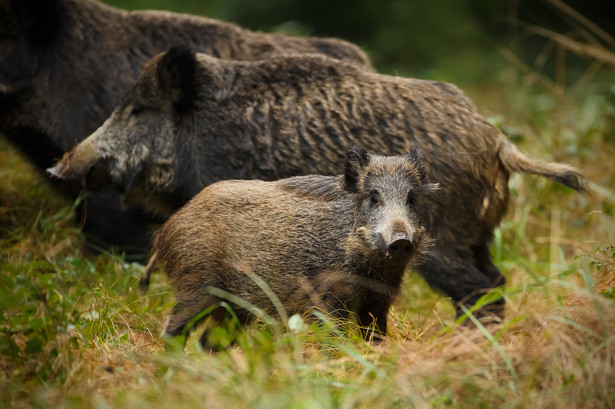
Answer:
(515, 161)
(144, 282)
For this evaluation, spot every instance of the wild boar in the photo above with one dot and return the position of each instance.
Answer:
(64, 65)
(342, 241)
(192, 119)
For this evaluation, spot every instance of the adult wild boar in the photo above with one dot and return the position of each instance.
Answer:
(343, 241)
(64, 65)
(191, 120)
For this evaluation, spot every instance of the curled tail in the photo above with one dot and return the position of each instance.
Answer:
(144, 281)
(515, 161)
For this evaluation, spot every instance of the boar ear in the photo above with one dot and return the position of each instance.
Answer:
(356, 160)
(428, 188)
(415, 157)
(176, 73)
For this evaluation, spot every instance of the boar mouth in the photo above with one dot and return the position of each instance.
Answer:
(90, 176)
(69, 169)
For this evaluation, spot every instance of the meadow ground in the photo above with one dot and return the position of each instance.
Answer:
(76, 332)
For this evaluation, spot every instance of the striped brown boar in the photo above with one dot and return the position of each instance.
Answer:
(339, 244)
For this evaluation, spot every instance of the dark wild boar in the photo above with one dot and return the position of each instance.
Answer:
(64, 65)
(191, 120)
(341, 242)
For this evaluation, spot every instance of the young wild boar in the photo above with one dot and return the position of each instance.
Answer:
(336, 243)
(64, 65)
(191, 120)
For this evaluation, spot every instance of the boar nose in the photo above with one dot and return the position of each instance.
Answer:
(400, 245)
(57, 170)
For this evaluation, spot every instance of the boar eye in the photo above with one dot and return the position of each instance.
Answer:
(373, 198)
(136, 110)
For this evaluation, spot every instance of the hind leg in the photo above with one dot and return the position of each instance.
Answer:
(486, 266)
(106, 223)
(185, 316)
(464, 275)
(228, 323)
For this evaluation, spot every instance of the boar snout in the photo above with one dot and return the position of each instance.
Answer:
(57, 170)
(76, 164)
(400, 243)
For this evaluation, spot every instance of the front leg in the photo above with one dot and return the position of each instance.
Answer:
(373, 315)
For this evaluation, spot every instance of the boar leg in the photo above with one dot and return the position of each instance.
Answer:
(484, 263)
(107, 222)
(219, 316)
(185, 311)
(373, 316)
(464, 276)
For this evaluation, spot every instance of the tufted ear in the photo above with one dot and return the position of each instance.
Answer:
(176, 74)
(416, 158)
(356, 160)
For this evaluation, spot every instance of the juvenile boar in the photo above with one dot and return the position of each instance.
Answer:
(191, 120)
(64, 65)
(336, 243)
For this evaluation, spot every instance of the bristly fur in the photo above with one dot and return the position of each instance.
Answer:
(314, 187)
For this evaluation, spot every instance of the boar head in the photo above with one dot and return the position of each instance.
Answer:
(386, 222)
(138, 141)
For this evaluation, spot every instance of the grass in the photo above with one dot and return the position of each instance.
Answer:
(76, 333)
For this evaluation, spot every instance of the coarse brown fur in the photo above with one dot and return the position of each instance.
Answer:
(319, 242)
(295, 115)
(65, 64)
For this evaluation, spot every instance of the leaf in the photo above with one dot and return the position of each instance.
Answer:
(34, 345)
(37, 324)
(8, 346)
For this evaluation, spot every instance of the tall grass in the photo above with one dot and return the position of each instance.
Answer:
(75, 332)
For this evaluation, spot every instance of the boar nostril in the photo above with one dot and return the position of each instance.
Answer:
(400, 246)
